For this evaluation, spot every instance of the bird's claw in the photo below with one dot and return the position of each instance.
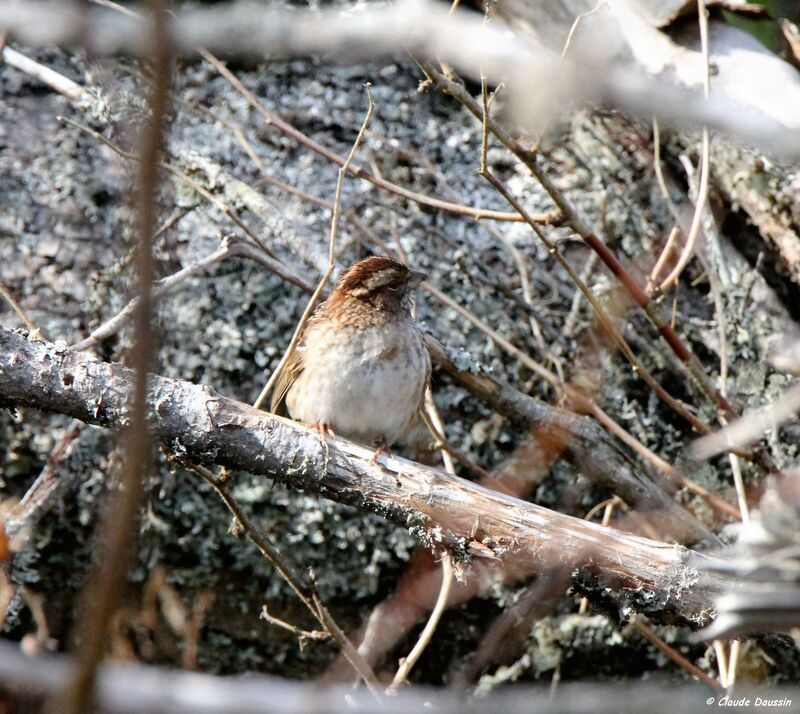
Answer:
(323, 430)
(381, 449)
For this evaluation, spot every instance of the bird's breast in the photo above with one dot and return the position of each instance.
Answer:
(366, 383)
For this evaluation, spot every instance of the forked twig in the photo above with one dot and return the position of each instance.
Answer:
(309, 599)
(301, 634)
(529, 158)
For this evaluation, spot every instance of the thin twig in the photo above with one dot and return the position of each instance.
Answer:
(705, 168)
(254, 534)
(52, 79)
(171, 221)
(118, 8)
(39, 497)
(348, 650)
(653, 280)
(727, 669)
(265, 392)
(675, 656)
(274, 120)
(436, 426)
(573, 29)
(406, 663)
(34, 331)
(574, 310)
(441, 443)
(666, 254)
(301, 634)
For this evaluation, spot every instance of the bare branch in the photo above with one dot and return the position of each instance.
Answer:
(197, 423)
(171, 282)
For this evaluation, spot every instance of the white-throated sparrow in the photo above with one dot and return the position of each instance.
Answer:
(361, 366)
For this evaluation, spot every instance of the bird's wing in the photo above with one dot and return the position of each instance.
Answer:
(291, 371)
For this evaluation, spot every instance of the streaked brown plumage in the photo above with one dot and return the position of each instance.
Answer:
(361, 366)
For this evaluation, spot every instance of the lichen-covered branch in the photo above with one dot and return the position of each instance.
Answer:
(195, 421)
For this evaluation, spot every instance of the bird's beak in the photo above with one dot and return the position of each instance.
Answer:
(417, 278)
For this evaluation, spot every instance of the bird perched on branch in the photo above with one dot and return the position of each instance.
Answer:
(361, 367)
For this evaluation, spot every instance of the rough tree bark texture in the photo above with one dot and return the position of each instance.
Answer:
(195, 422)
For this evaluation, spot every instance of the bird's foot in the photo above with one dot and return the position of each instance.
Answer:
(323, 430)
(381, 449)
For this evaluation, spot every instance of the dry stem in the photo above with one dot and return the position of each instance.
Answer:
(690, 362)
(274, 120)
(647, 632)
(705, 168)
(268, 387)
(117, 532)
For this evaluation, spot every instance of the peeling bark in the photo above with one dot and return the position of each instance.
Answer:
(197, 423)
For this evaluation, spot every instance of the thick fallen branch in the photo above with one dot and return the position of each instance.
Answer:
(195, 422)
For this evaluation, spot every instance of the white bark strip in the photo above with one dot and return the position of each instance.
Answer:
(539, 85)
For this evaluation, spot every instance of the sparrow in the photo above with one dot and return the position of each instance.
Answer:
(361, 366)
